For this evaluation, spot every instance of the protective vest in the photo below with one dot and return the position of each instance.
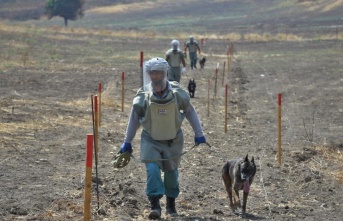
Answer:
(162, 118)
(175, 59)
(192, 48)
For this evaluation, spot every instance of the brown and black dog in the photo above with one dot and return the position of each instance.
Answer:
(238, 175)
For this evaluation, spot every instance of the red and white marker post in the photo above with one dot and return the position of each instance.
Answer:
(215, 82)
(88, 179)
(99, 94)
(141, 66)
(208, 97)
(279, 128)
(226, 94)
(223, 73)
(122, 90)
(96, 127)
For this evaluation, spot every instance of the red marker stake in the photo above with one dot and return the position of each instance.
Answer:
(99, 94)
(122, 90)
(226, 92)
(96, 128)
(208, 98)
(279, 128)
(141, 66)
(88, 179)
(223, 73)
(215, 83)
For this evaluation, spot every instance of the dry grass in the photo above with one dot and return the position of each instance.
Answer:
(334, 155)
(121, 8)
(321, 5)
(61, 33)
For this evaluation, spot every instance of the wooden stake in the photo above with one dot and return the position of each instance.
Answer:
(208, 98)
(99, 94)
(215, 82)
(122, 90)
(88, 179)
(96, 128)
(223, 73)
(226, 93)
(141, 66)
(279, 128)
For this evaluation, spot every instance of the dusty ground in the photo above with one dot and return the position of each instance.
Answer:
(46, 114)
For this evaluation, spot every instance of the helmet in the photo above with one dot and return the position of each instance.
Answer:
(191, 39)
(175, 44)
(155, 64)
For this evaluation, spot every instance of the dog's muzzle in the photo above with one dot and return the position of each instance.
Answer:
(244, 176)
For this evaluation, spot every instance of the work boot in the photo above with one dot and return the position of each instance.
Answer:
(170, 206)
(155, 212)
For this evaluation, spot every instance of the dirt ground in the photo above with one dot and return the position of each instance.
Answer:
(45, 116)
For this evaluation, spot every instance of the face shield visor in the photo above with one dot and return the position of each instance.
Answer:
(175, 45)
(191, 39)
(155, 74)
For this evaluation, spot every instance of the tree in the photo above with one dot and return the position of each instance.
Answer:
(67, 9)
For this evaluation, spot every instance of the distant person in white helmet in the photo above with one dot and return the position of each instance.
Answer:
(193, 48)
(159, 107)
(175, 58)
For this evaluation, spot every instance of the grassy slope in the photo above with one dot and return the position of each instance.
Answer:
(206, 16)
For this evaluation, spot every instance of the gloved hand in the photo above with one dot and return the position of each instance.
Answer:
(199, 140)
(183, 70)
(126, 147)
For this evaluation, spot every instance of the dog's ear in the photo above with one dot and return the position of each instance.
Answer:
(252, 160)
(246, 158)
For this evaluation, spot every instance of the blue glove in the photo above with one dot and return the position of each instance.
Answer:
(199, 140)
(126, 147)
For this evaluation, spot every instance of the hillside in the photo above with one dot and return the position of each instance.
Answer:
(309, 18)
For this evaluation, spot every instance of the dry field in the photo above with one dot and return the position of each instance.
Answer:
(48, 74)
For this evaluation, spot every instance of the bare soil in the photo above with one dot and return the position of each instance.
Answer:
(47, 77)
(46, 114)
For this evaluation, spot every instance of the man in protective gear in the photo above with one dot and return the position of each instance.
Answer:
(193, 48)
(175, 57)
(159, 107)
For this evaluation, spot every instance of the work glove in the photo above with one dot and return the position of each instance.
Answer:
(199, 140)
(183, 70)
(126, 147)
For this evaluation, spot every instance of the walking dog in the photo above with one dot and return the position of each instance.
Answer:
(202, 62)
(191, 87)
(238, 175)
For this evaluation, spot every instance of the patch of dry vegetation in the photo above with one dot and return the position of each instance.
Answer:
(321, 5)
(333, 154)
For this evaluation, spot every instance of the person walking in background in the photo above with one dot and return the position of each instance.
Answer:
(175, 57)
(159, 107)
(193, 48)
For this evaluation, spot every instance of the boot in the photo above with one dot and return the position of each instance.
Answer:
(155, 212)
(170, 206)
